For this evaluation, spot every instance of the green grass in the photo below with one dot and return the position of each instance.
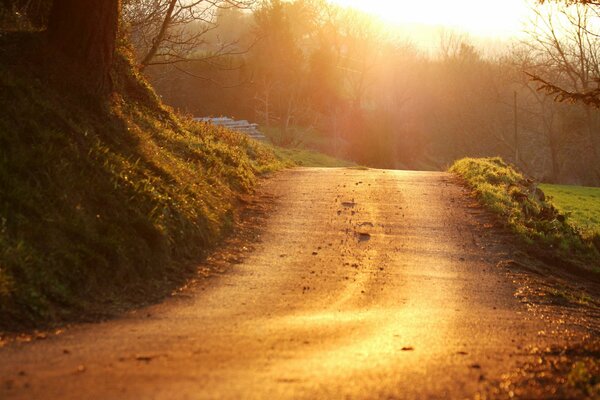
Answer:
(105, 202)
(581, 204)
(508, 193)
(310, 158)
(304, 147)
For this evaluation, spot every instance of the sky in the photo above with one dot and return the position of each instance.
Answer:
(487, 18)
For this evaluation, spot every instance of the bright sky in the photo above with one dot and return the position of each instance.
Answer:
(500, 18)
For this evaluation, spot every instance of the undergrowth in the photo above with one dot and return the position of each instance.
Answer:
(526, 210)
(104, 203)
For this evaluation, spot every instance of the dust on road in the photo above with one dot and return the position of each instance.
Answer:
(366, 284)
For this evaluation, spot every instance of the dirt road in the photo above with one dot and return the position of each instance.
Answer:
(366, 284)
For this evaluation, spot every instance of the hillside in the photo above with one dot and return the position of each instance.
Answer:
(104, 203)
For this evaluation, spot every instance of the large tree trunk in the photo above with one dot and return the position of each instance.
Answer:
(86, 30)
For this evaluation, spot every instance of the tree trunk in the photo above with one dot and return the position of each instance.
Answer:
(86, 30)
(552, 143)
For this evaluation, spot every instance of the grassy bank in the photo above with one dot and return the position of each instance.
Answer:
(104, 203)
(527, 211)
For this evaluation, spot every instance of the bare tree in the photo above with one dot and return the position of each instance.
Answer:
(361, 48)
(566, 35)
(174, 31)
(279, 62)
(566, 59)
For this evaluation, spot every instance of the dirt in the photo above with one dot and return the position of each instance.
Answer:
(360, 284)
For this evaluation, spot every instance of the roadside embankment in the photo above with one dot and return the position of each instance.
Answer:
(105, 203)
(525, 209)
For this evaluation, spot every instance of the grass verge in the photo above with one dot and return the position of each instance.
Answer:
(104, 203)
(526, 210)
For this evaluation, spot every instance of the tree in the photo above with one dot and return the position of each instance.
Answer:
(563, 46)
(362, 41)
(278, 63)
(172, 31)
(86, 31)
(584, 46)
(571, 2)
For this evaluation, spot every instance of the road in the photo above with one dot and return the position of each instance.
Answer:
(366, 284)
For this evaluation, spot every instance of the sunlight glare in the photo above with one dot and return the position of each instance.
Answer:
(500, 18)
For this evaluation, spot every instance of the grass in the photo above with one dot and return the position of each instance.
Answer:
(570, 296)
(524, 208)
(310, 158)
(304, 147)
(106, 202)
(581, 204)
(584, 377)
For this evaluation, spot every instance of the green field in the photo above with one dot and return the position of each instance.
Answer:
(581, 204)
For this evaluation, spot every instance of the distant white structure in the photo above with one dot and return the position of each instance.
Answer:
(241, 126)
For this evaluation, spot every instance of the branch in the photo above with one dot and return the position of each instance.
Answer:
(590, 97)
(159, 37)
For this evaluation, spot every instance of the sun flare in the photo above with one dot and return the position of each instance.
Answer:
(500, 18)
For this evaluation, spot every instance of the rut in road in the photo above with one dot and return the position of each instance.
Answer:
(366, 284)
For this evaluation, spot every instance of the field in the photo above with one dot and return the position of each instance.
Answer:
(581, 204)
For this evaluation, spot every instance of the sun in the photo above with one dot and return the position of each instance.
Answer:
(500, 18)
